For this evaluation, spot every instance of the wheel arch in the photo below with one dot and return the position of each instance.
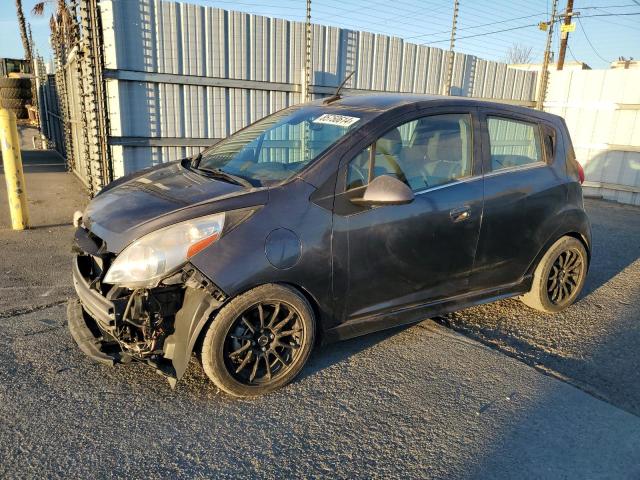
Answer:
(580, 236)
(306, 294)
(572, 222)
(315, 307)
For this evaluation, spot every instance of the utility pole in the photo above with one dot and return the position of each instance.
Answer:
(306, 91)
(544, 74)
(564, 36)
(447, 84)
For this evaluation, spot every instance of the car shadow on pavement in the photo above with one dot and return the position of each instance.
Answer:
(52, 225)
(593, 343)
(327, 355)
(612, 252)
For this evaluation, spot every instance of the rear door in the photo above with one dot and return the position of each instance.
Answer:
(524, 190)
(394, 256)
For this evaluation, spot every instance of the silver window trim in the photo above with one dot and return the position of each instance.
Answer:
(527, 166)
(472, 178)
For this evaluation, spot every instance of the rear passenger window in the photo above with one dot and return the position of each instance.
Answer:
(422, 153)
(513, 143)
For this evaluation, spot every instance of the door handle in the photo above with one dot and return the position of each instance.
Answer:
(460, 214)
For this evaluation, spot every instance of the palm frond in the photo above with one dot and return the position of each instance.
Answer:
(38, 9)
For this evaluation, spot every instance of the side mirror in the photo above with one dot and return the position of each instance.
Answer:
(385, 190)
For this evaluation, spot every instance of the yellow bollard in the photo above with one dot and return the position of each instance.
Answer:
(12, 161)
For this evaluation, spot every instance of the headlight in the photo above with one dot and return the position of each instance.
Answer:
(152, 257)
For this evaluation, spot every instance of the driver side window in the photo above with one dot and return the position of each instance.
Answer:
(423, 153)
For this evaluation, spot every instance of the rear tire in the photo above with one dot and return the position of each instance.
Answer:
(15, 93)
(559, 277)
(259, 341)
(12, 103)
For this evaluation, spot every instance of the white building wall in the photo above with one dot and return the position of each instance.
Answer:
(602, 111)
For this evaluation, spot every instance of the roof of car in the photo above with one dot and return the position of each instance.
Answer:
(382, 102)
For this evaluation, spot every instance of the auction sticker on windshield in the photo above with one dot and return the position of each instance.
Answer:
(338, 120)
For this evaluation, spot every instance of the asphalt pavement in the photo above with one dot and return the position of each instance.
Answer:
(515, 394)
(593, 344)
(423, 402)
(34, 265)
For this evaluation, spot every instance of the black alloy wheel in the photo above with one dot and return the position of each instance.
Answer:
(564, 276)
(559, 276)
(259, 341)
(263, 342)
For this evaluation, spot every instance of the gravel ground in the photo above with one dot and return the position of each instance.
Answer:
(593, 344)
(419, 402)
(422, 402)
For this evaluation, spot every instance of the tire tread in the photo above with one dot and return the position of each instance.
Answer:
(227, 314)
(537, 297)
(9, 82)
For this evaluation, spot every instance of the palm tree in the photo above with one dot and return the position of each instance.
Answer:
(61, 15)
(22, 25)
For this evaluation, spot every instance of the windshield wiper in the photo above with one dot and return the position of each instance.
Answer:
(217, 173)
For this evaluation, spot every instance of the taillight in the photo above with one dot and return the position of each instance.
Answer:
(580, 173)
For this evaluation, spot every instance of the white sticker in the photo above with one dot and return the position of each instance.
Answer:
(338, 120)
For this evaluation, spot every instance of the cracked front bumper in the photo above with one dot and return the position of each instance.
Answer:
(95, 321)
(87, 335)
(101, 309)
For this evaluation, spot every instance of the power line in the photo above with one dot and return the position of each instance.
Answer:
(523, 26)
(478, 26)
(610, 15)
(584, 32)
(571, 53)
(486, 33)
(610, 6)
(369, 22)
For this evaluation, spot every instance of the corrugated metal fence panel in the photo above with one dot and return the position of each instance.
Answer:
(602, 111)
(199, 43)
(76, 106)
(50, 115)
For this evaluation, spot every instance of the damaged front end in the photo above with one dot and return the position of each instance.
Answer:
(158, 326)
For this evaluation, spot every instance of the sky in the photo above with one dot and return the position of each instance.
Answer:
(607, 29)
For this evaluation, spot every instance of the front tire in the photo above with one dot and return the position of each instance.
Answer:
(559, 277)
(259, 341)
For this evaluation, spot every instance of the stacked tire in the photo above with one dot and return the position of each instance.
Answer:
(15, 94)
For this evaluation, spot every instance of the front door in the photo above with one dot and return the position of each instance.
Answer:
(399, 256)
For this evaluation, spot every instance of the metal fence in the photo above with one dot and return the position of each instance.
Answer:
(50, 115)
(180, 76)
(176, 77)
(74, 115)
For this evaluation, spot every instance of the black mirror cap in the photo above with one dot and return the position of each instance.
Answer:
(385, 190)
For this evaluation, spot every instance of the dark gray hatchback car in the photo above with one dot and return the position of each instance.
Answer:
(326, 221)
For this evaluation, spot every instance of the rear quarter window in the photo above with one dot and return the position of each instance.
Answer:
(513, 143)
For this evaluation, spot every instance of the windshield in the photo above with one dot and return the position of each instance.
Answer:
(279, 146)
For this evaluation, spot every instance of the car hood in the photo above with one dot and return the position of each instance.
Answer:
(161, 196)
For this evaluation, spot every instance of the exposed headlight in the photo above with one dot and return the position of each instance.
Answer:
(152, 257)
